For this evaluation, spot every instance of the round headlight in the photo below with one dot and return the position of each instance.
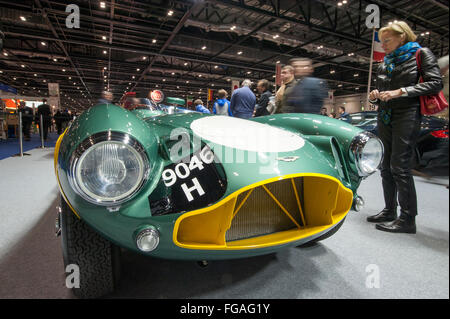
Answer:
(367, 151)
(109, 172)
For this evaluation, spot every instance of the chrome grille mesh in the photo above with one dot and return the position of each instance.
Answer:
(260, 214)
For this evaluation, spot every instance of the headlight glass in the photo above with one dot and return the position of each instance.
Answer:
(109, 172)
(371, 156)
(367, 151)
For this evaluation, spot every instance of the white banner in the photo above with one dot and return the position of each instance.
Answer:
(53, 89)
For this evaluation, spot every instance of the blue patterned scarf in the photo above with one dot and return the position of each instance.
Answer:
(401, 54)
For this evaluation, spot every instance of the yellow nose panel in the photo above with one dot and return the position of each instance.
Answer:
(269, 213)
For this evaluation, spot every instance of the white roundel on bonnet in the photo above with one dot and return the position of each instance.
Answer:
(245, 135)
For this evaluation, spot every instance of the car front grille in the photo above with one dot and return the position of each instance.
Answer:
(257, 213)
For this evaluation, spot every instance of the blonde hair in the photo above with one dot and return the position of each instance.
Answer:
(222, 94)
(401, 29)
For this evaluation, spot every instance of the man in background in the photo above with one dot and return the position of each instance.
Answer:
(263, 89)
(58, 121)
(323, 111)
(287, 83)
(27, 119)
(309, 92)
(44, 110)
(200, 108)
(222, 106)
(243, 101)
(344, 116)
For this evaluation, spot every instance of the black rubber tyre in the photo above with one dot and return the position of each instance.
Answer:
(97, 258)
(324, 236)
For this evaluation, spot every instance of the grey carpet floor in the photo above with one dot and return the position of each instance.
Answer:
(357, 262)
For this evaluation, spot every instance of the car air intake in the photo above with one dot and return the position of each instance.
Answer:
(272, 212)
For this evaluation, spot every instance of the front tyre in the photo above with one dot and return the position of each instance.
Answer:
(98, 259)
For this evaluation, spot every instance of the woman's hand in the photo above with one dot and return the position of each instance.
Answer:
(389, 95)
(374, 95)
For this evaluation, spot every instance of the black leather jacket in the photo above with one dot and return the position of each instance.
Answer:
(406, 75)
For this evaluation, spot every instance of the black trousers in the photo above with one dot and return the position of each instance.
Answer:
(26, 125)
(399, 138)
(45, 126)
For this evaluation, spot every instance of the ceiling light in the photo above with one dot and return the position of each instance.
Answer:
(203, 47)
(133, 77)
(43, 43)
(154, 41)
(22, 65)
(23, 18)
(344, 1)
(187, 81)
(185, 63)
(427, 33)
(5, 54)
(14, 79)
(199, 75)
(275, 36)
(215, 67)
(339, 4)
(240, 52)
(170, 13)
(233, 27)
(332, 71)
(64, 70)
(356, 74)
(173, 73)
(102, 5)
(278, 61)
(138, 69)
(340, 85)
(104, 52)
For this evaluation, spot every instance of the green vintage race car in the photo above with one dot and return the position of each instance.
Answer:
(201, 187)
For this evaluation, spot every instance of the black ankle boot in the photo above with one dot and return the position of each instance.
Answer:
(386, 215)
(404, 224)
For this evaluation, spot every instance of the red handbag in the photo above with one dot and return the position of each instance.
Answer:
(430, 104)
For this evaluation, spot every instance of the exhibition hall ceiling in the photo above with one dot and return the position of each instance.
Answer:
(186, 47)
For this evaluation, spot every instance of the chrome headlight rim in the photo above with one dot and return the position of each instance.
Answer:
(95, 140)
(356, 151)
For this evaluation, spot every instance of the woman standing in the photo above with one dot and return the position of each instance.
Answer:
(399, 117)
